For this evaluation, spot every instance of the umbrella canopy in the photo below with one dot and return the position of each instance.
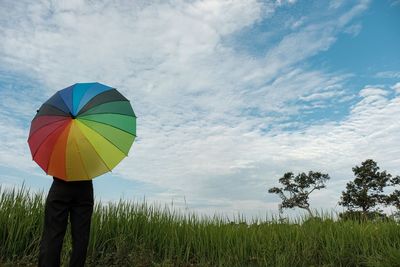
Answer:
(82, 131)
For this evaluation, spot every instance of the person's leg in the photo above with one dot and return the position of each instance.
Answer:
(55, 225)
(80, 217)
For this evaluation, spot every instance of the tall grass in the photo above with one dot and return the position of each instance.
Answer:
(138, 234)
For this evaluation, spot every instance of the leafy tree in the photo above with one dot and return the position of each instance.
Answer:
(394, 198)
(298, 188)
(365, 192)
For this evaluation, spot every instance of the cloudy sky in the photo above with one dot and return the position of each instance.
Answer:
(229, 95)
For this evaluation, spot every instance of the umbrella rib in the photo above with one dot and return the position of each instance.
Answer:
(63, 100)
(108, 112)
(63, 118)
(117, 98)
(83, 96)
(112, 101)
(103, 112)
(107, 138)
(52, 152)
(72, 98)
(99, 154)
(44, 140)
(48, 104)
(108, 125)
(80, 156)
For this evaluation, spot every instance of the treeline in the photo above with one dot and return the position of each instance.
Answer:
(363, 198)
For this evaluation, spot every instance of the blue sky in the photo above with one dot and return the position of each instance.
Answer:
(229, 95)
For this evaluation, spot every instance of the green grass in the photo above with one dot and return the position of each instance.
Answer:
(138, 234)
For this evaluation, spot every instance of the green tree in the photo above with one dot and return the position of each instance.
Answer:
(366, 191)
(394, 198)
(298, 189)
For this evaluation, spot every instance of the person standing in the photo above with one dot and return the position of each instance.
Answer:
(66, 199)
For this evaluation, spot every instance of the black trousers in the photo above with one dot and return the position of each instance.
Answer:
(73, 199)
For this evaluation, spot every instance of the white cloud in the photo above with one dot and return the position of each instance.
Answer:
(371, 92)
(336, 3)
(388, 74)
(17, 108)
(285, 2)
(355, 11)
(14, 151)
(322, 95)
(225, 16)
(396, 87)
(298, 23)
(354, 29)
(395, 2)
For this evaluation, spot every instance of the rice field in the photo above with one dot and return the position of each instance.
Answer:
(140, 234)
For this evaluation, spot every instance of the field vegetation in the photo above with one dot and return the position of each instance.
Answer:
(138, 234)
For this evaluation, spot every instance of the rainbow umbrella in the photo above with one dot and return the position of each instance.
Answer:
(82, 131)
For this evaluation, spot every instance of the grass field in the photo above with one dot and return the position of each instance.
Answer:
(132, 234)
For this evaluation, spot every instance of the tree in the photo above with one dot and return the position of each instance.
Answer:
(365, 192)
(298, 189)
(394, 198)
